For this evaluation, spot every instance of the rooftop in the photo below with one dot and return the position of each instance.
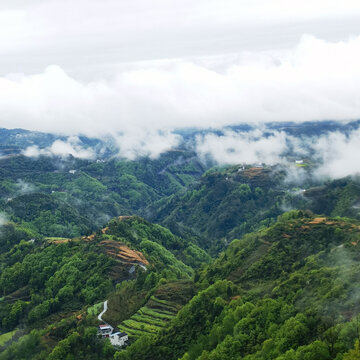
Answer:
(104, 326)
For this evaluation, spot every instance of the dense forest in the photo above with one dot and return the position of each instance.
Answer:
(195, 261)
(70, 197)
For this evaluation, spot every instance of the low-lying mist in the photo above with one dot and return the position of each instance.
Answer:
(330, 154)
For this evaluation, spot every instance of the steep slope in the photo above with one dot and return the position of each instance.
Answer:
(287, 292)
(161, 307)
(148, 237)
(224, 205)
(227, 203)
(47, 284)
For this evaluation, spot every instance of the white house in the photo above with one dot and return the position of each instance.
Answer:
(299, 161)
(119, 338)
(105, 330)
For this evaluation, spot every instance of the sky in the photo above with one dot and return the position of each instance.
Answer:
(139, 69)
(90, 38)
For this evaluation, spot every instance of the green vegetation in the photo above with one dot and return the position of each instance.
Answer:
(226, 204)
(47, 215)
(336, 198)
(95, 309)
(71, 197)
(151, 318)
(281, 286)
(6, 337)
(290, 293)
(158, 243)
(44, 280)
(51, 278)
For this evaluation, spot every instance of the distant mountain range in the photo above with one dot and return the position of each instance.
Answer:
(15, 140)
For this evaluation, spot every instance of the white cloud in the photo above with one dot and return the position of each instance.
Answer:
(151, 143)
(316, 80)
(237, 148)
(3, 219)
(61, 148)
(24, 187)
(334, 155)
(339, 154)
(151, 67)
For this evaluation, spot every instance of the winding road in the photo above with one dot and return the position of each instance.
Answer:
(104, 311)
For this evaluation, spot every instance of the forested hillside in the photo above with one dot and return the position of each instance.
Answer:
(48, 284)
(71, 197)
(228, 203)
(195, 262)
(287, 292)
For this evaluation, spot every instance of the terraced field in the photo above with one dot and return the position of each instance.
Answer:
(151, 318)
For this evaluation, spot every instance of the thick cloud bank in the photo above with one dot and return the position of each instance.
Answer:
(316, 80)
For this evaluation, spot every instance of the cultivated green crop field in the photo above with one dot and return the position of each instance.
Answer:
(150, 319)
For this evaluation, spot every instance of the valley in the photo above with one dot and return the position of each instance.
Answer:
(194, 260)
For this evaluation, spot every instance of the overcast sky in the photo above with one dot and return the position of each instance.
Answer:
(89, 38)
(85, 66)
